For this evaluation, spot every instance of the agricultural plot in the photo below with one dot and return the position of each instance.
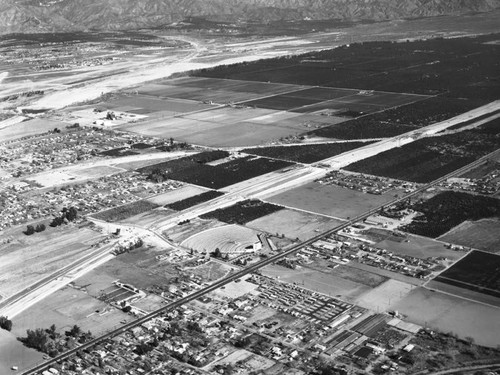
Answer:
(182, 232)
(306, 153)
(194, 200)
(13, 351)
(126, 211)
(197, 172)
(148, 218)
(242, 212)
(384, 296)
(329, 200)
(430, 158)
(478, 271)
(293, 224)
(426, 67)
(449, 209)
(283, 102)
(232, 240)
(481, 234)
(151, 104)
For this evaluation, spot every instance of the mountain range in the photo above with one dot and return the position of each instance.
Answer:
(29, 16)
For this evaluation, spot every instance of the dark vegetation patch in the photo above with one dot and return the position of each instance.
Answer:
(306, 153)
(457, 68)
(194, 200)
(194, 170)
(243, 212)
(141, 146)
(121, 151)
(449, 209)
(478, 271)
(430, 158)
(362, 128)
(126, 211)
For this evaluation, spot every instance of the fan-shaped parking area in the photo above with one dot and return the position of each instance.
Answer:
(233, 240)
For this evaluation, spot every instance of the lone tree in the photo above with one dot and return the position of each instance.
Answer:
(40, 228)
(5, 323)
(30, 229)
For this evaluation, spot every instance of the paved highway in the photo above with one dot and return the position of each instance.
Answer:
(250, 269)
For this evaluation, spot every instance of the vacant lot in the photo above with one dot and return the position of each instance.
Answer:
(182, 232)
(179, 194)
(68, 307)
(210, 271)
(293, 224)
(126, 211)
(451, 314)
(306, 153)
(14, 353)
(27, 259)
(242, 212)
(330, 200)
(384, 296)
(478, 271)
(95, 172)
(30, 127)
(419, 247)
(482, 235)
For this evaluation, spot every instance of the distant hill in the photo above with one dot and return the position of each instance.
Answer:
(28, 16)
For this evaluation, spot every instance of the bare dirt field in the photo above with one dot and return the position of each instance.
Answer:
(148, 218)
(176, 195)
(385, 296)
(14, 353)
(210, 271)
(329, 284)
(95, 172)
(451, 314)
(293, 224)
(330, 200)
(66, 308)
(27, 259)
(30, 127)
(482, 235)
(420, 247)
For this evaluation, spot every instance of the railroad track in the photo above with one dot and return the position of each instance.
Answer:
(251, 268)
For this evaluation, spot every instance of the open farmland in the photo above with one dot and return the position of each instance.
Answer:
(478, 271)
(293, 224)
(126, 211)
(448, 209)
(429, 158)
(194, 200)
(432, 66)
(481, 234)
(305, 153)
(242, 212)
(329, 200)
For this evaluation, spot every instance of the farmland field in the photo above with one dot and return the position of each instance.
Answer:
(478, 271)
(293, 224)
(330, 200)
(126, 211)
(451, 314)
(481, 234)
(145, 219)
(242, 212)
(305, 153)
(430, 158)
